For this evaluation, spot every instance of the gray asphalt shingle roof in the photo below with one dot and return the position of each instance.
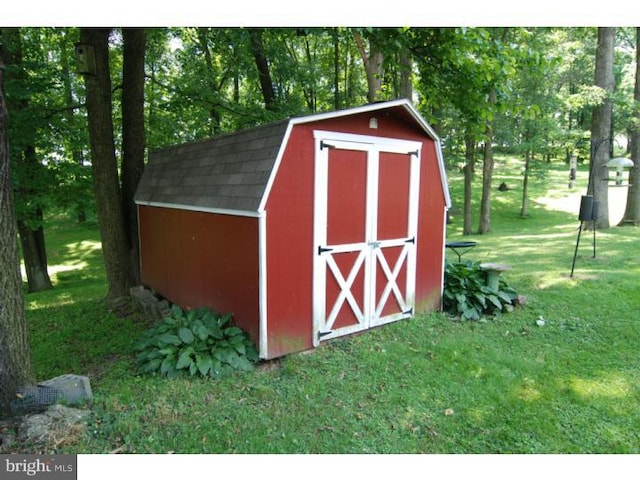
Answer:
(229, 172)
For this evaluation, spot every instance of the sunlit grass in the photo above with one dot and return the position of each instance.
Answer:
(610, 386)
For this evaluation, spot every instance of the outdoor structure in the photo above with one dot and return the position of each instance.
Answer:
(306, 229)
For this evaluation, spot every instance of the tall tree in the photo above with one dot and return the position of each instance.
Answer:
(336, 68)
(15, 356)
(302, 64)
(469, 169)
(105, 167)
(498, 72)
(266, 84)
(373, 59)
(133, 135)
(78, 185)
(632, 210)
(530, 127)
(524, 211)
(214, 82)
(32, 182)
(601, 140)
(487, 172)
(405, 89)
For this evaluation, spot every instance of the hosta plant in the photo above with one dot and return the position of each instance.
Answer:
(466, 294)
(196, 342)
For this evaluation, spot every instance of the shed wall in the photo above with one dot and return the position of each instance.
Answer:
(198, 259)
(431, 233)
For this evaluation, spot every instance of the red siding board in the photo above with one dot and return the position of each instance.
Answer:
(197, 259)
(289, 216)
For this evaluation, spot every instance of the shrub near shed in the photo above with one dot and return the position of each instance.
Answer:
(197, 342)
(467, 295)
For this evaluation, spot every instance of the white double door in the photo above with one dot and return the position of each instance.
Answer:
(365, 227)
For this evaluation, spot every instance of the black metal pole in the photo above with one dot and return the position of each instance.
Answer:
(575, 253)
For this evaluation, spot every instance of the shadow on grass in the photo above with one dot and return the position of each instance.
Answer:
(78, 336)
(71, 329)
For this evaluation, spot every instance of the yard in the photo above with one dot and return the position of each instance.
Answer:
(426, 385)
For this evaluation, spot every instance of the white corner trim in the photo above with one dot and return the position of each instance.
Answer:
(195, 208)
(262, 286)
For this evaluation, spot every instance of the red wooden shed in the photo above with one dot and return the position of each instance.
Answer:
(306, 229)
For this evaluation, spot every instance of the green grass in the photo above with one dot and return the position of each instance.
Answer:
(427, 385)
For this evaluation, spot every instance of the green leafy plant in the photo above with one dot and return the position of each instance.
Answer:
(197, 342)
(467, 295)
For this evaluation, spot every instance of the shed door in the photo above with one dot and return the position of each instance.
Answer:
(366, 205)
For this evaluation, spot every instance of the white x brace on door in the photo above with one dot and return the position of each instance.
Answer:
(365, 226)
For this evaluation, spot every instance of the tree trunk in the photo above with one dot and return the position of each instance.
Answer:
(133, 136)
(236, 78)
(469, 167)
(601, 126)
(336, 69)
(266, 85)
(487, 174)
(406, 74)
(35, 256)
(214, 114)
(29, 214)
(105, 170)
(31, 231)
(632, 210)
(15, 355)
(312, 97)
(525, 184)
(373, 66)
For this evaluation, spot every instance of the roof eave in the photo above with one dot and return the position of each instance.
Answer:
(373, 107)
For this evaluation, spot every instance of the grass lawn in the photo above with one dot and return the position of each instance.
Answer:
(426, 385)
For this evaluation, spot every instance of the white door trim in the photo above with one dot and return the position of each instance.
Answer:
(370, 253)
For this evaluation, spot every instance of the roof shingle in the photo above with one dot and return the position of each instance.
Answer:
(229, 172)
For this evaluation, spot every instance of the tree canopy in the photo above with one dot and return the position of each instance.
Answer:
(526, 91)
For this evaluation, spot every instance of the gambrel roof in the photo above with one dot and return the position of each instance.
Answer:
(231, 173)
(228, 172)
